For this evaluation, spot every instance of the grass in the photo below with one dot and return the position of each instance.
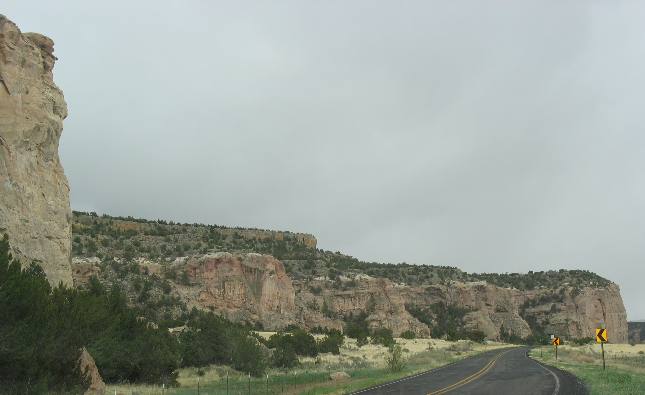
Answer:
(365, 366)
(625, 367)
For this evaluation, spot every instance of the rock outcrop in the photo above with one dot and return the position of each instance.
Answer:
(255, 288)
(565, 311)
(320, 304)
(242, 287)
(88, 368)
(34, 193)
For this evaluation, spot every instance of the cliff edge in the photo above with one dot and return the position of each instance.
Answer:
(34, 191)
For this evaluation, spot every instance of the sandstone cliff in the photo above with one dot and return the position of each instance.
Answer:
(34, 192)
(243, 287)
(254, 288)
(292, 282)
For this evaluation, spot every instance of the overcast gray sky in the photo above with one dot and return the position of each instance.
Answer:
(492, 136)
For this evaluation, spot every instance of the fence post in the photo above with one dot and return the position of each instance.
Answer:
(249, 383)
(227, 382)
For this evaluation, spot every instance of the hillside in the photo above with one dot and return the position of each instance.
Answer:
(273, 279)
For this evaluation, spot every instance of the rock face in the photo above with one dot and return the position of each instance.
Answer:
(34, 192)
(255, 288)
(91, 372)
(243, 287)
(382, 301)
(565, 311)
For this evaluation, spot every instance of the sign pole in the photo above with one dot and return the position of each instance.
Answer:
(556, 352)
(602, 346)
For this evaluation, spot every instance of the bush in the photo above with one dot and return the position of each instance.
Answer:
(394, 360)
(356, 326)
(383, 336)
(214, 340)
(299, 341)
(582, 341)
(303, 343)
(284, 357)
(331, 343)
(45, 329)
(476, 336)
(408, 335)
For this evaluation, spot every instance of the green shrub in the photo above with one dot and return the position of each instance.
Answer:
(356, 326)
(331, 343)
(383, 336)
(45, 329)
(408, 335)
(301, 342)
(395, 361)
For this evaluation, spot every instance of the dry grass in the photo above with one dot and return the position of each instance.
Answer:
(373, 355)
(625, 373)
(365, 364)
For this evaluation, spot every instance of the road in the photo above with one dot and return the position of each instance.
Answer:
(506, 371)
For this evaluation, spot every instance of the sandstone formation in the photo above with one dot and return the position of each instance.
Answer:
(566, 312)
(243, 287)
(34, 192)
(255, 288)
(91, 372)
(382, 301)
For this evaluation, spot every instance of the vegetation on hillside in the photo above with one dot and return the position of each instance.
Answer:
(126, 237)
(43, 330)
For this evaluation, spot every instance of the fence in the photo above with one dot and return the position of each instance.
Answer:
(234, 385)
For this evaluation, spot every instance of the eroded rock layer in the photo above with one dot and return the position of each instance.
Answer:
(254, 288)
(34, 192)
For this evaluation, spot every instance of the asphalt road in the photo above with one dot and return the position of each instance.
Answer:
(507, 371)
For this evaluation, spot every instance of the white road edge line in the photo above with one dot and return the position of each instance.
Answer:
(555, 376)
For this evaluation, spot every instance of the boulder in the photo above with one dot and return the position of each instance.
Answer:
(89, 369)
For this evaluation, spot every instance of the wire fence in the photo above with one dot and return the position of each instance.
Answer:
(235, 385)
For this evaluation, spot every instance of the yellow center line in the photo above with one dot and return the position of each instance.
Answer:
(470, 378)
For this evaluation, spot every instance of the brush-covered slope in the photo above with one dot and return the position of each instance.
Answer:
(275, 279)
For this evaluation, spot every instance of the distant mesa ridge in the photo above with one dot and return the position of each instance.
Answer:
(275, 279)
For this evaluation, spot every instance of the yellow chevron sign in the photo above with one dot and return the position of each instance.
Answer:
(555, 341)
(601, 335)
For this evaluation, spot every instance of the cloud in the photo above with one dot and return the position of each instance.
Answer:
(493, 137)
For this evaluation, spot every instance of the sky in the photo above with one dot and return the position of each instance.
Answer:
(493, 136)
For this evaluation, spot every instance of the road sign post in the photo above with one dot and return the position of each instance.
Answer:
(602, 338)
(556, 342)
